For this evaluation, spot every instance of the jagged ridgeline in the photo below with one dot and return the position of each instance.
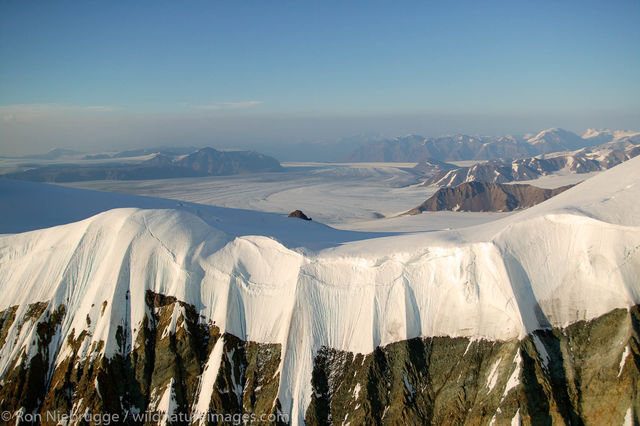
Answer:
(588, 372)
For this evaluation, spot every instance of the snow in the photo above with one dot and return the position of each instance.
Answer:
(208, 380)
(468, 346)
(623, 360)
(613, 135)
(269, 279)
(177, 314)
(408, 385)
(558, 179)
(514, 379)
(516, 420)
(168, 404)
(236, 387)
(334, 194)
(628, 417)
(97, 386)
(542, 351)
(356, 391)
(24, 203)
(424, 222)
(492, 378)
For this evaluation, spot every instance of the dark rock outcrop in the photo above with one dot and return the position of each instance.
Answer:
(486, 197)
(299, 214)
(585, 373)
(165, 356)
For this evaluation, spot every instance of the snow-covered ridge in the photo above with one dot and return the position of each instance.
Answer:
(574, 257)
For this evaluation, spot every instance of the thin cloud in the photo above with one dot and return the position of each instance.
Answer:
(18, 112)
(226, 105)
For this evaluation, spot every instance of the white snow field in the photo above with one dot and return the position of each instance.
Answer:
(351, 196)
(266, 278)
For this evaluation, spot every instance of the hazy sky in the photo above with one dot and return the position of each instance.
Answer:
(98, 75)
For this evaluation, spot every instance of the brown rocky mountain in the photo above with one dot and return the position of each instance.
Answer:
(486, 197)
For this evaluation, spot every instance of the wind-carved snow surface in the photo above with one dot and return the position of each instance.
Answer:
(574, 257)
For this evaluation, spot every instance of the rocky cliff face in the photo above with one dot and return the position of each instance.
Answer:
(586, 373)
(182, 370)
(179, 367)
(486, 197)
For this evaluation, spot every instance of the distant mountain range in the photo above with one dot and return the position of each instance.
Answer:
(413, 148)
(171, 151)
(486, 197)
(582, 161)
(162, 165)
(55, 154)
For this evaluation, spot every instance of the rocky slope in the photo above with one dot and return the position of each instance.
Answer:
(486, 197)
(532, 318)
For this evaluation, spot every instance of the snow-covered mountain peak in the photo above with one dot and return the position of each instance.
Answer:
(553, 133)
(608, 135)
(591, 133)
(556, 139)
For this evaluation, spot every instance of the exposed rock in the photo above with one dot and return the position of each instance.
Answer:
(212, 162)
(494, 171)
(299, 214)
(583, 374)
(527, 168)
(586, 373)
(168, 355)
(486, 197)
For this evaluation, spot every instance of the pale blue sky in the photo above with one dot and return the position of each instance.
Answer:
(95, 73)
